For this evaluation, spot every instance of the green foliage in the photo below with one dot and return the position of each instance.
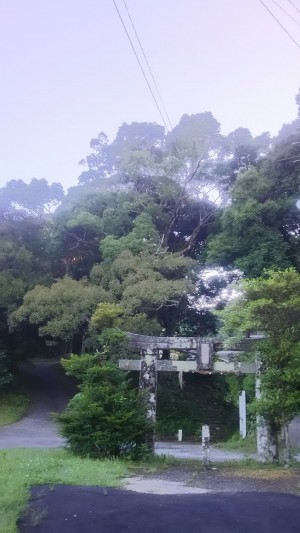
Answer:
(202, 400)
(192, 322)
(60, 311)
(107, 417)
(143, 237)
(236, 442)
(106, 314)
(251, 237)
(193, 133)
(272, 304)
(137, 226)
(259, 229)
(35, 198)
(139, 323)
(145, 284)
(251, 184)
(6, 377)
(104, 333)
(14, 405)
(115, 344)
(235, 385)
(12, 290)
(280, 381)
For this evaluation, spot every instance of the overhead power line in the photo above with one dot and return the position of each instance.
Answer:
(147, 63)
(294, 6)
(141, 66)
(278, 22)
(286, 12)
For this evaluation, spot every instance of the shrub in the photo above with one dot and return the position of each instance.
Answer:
(6, 377)
(106, 418)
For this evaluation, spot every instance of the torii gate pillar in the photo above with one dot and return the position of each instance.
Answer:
(148, 381)
(150, 364)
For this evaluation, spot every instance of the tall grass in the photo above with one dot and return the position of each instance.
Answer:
(13, 406)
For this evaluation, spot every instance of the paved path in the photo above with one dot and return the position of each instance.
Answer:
(50, 390)
(69, 509)
(184, 450)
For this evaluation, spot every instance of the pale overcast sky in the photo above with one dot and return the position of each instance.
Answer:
(68, 72)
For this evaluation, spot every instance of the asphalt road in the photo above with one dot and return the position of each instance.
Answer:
(69, 509)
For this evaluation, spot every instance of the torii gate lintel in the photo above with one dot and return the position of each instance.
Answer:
(203, 362)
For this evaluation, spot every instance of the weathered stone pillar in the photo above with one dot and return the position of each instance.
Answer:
(148, 385)
(206, 445)
(285, 444)
(267, 445)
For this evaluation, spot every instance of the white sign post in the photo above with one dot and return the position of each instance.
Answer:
(242, 413)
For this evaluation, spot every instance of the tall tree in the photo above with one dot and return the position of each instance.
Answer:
(260, 229)
(35, 198)
(272, 304)
(61, 312)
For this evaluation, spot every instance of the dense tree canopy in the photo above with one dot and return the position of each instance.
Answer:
(150, 212)
(260, 228)
(147, 242)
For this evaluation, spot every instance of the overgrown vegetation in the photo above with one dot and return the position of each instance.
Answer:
(236, 442)
(271, 304)
(202, 400)
(13, 406)
(6, 376)
(107, 417)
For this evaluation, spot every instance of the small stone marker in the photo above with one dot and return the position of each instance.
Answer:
(206, 445)
(243, 414)
(180, 435)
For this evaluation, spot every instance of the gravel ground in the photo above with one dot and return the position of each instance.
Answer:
(190, 479)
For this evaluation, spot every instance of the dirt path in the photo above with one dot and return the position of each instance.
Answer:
(50, 391)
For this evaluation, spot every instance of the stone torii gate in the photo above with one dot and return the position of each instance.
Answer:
(201, 353)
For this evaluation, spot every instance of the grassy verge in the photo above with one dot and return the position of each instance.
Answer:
(20, 469)
(242, 467)
(23, 468)
(13, 407)
(247, 445)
